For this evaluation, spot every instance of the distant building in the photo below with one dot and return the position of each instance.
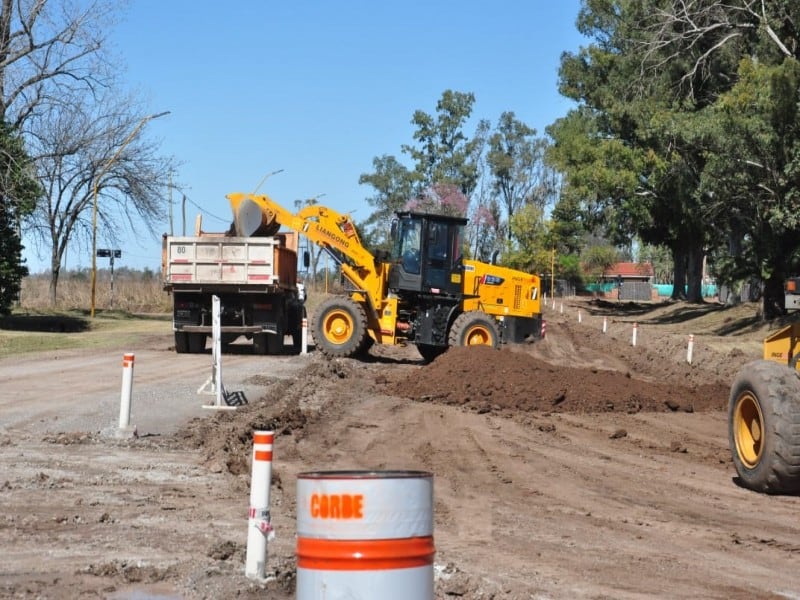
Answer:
(629, 271)
(630, 281)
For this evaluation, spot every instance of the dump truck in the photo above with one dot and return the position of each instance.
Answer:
(255, 278)
(423, 292)
(764, 411)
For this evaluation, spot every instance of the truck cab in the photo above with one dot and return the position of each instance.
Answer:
(426, 254)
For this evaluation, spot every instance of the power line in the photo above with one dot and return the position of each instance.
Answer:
(205, 212)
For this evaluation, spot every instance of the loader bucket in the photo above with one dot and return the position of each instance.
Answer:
(783, 345)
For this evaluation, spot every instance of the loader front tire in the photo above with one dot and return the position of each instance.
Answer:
(764, 427)
(474, 328)
(339, 327)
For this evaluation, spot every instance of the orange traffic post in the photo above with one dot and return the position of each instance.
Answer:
(365, 534)
(126, 391)
(259, 526)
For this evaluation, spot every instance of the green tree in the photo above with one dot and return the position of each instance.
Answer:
(444, 154)
(394, 186)
(18, 194)
(528, 248)
(633, 150)
(737, 60)
(516, 160)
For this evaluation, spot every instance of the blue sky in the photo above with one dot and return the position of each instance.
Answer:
(319, 89)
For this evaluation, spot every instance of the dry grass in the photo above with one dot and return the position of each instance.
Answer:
(134, 292)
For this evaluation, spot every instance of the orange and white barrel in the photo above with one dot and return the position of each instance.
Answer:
(364, 535)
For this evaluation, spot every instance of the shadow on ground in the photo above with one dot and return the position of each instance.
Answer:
(49, 323)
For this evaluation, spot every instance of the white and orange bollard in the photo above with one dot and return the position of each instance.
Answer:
(544, 328)
(633, 335)
(365, 534)
(690, 349)
(259, 525)
(304, 337)
(126, 392)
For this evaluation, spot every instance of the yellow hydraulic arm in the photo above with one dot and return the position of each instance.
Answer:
(326, 228)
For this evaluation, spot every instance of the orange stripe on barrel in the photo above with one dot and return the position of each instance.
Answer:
(263, 455)
(263, 438)
(364, 555)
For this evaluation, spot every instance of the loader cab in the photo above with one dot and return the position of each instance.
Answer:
(426, 254)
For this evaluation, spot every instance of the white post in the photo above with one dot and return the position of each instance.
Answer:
(554, 302)
(605, 324)
(633, 337)
(216, 348)
(259, 525)
(580, 317)
(304, 337)
(690, 349)
(125, 394)
(214, 382)
(561, 308)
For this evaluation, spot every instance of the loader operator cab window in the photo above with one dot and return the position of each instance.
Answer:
(407, 245)
(437, 244)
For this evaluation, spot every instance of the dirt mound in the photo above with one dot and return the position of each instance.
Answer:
(484, 380)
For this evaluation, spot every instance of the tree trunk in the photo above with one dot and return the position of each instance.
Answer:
(55, 270)
(694, 274)
(679, 280)
(773, 299)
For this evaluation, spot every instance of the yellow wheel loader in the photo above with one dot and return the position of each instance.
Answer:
(764, 412)
(423, 292)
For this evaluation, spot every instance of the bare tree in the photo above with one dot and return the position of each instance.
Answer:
(57, 88)
(96, 144)
(49, 49)
(700, 29)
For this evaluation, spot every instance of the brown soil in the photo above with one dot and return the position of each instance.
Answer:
(580, 466)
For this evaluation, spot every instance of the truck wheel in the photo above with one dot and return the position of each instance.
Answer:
(275, 343)
(429, 352)
(339, 326)
(474, 328)
(764, 427)
(197, 343)
(181, 342)
(260, 343)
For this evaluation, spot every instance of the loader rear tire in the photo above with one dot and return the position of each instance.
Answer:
(764, 427)
(474, 328)
(339, 327)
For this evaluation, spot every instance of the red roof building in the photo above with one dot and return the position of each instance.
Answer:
(630, 271)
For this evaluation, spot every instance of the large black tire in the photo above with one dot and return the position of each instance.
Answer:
(260, 344)
(429, 352)
(181, 342)
(474, 328)
(275, 342)
(197, 342)
(339, 327)
(764, 427)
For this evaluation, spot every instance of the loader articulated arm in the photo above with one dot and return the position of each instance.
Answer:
(323, 226)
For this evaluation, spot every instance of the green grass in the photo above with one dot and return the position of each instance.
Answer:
(24, 332)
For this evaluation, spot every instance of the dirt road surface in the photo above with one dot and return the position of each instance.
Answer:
(577, 467)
